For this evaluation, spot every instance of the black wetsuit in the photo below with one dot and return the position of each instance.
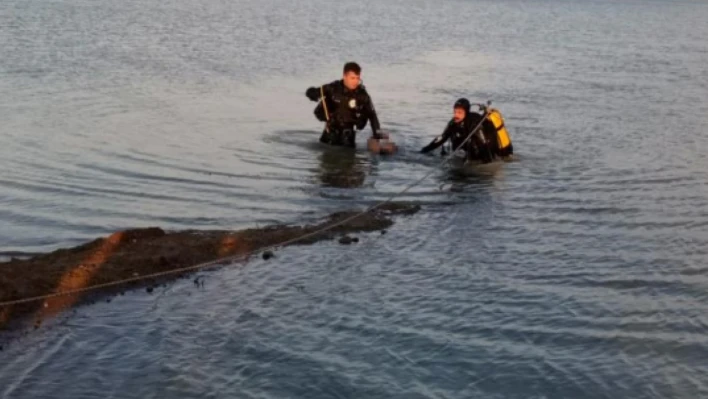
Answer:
(483, 146)
(348, 110)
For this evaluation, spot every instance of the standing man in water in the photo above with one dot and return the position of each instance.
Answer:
(344, 105)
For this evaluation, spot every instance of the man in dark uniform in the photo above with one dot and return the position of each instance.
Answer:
(345, 106)
(481, 146)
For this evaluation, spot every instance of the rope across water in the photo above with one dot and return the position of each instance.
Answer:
(234, 258)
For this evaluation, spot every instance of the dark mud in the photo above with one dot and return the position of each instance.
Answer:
(141, 252)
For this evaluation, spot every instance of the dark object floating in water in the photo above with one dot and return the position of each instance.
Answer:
(346, 240)
(268, 254)
(355, 239)
(157, 251)
(383, 232)
(381, 146)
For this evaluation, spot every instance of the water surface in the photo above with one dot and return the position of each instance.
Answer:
(578, 271)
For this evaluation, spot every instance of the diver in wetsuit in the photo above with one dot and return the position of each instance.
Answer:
(481, 146)
(346, 106)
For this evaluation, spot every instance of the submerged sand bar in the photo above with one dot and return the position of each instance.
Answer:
(140, 252)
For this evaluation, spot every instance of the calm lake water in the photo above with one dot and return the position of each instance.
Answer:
(578, 271)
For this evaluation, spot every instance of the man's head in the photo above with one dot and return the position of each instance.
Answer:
(461, 109)
(351, 75)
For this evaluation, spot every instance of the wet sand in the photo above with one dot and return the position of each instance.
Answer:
(141, 252)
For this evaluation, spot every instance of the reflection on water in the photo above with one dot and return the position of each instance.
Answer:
(342, 167)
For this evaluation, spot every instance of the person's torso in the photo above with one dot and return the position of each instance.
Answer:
(459, 132)
(347, 105)
(486, 134)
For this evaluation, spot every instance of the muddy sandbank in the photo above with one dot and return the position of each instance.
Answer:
(140, 252)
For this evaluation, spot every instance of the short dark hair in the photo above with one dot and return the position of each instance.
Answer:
(352, 67)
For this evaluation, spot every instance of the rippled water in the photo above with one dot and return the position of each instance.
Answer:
(578, 271)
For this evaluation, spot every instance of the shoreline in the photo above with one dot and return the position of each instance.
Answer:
(140, 252)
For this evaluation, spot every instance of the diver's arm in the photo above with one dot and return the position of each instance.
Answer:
(438, 141)
(372, 116)
(315, 93)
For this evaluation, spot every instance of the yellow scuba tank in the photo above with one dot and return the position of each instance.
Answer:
(502, 135)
